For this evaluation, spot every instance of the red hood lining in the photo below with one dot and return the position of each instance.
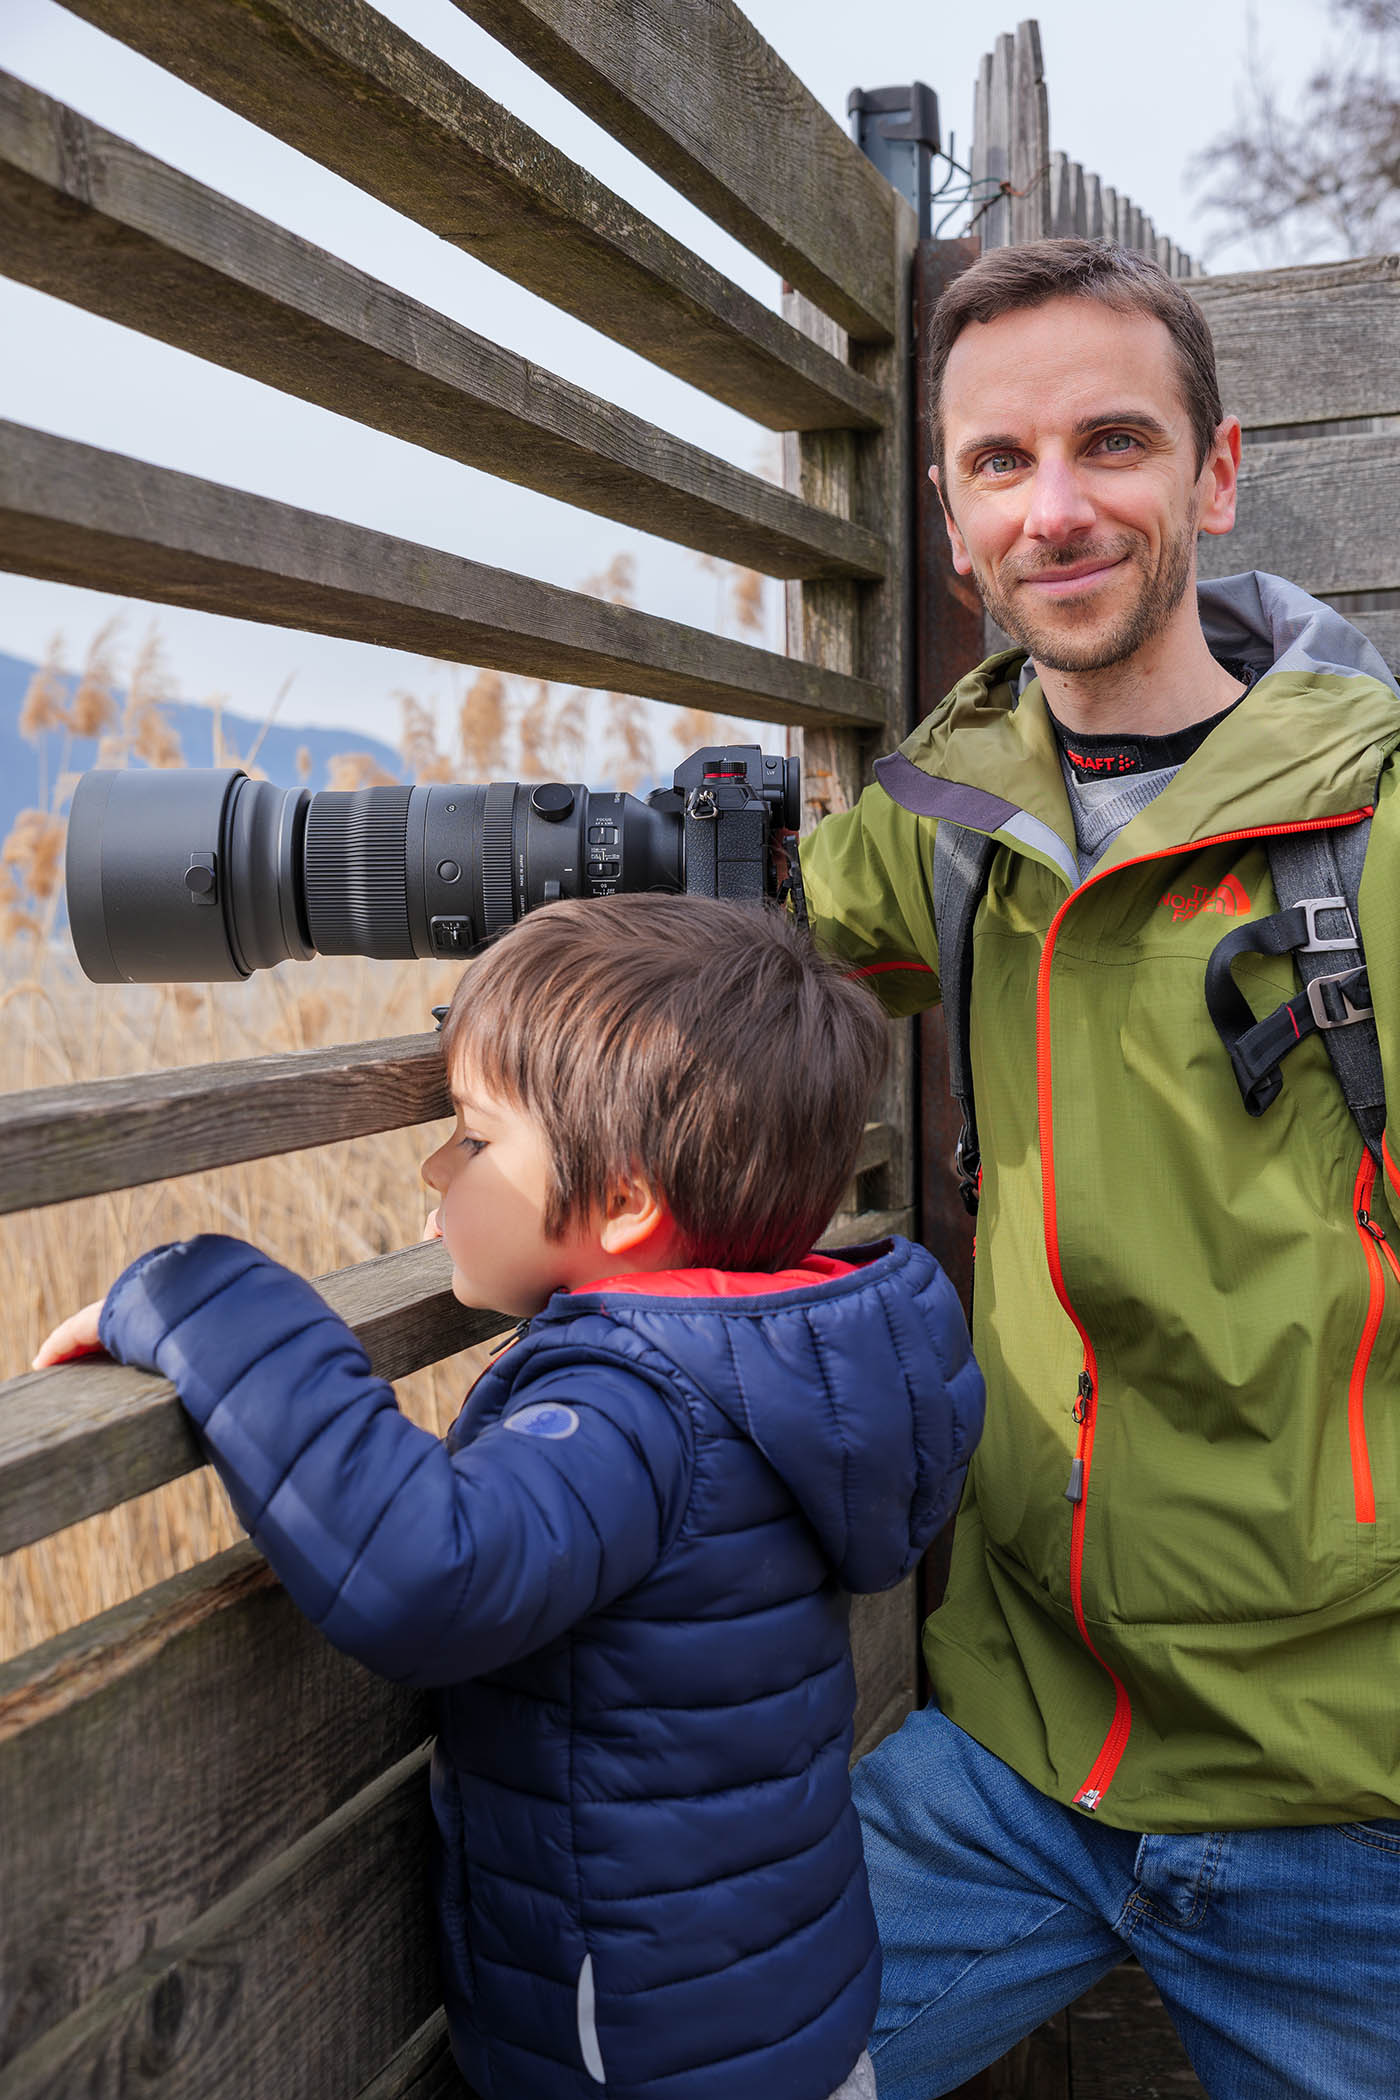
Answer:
(720, 1283)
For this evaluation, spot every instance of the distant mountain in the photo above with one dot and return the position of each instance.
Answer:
(192, 723)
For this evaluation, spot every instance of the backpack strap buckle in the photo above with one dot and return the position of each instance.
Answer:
(1344, 983)
(1319, 944)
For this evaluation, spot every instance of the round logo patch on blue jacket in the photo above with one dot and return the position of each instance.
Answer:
(544, 1418)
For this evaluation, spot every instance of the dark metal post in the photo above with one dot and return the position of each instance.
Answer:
(897, 128)
(948, 643)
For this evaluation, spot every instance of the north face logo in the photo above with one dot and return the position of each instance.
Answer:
(1227, 897)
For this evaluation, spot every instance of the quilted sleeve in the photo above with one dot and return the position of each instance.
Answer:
(430, 1567)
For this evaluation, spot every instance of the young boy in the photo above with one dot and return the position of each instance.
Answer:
(626, 1567)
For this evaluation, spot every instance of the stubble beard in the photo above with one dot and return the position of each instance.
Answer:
(1098, 647)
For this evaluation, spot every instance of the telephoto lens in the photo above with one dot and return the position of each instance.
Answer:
(198, 876)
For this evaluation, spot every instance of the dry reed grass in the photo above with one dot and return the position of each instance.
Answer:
(315, 1210)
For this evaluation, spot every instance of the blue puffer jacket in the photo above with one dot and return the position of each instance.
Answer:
(626, 1568)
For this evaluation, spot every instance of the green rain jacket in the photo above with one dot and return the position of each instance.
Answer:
(1203, 1305)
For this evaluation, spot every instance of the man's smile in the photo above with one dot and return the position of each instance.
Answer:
(1076, 580)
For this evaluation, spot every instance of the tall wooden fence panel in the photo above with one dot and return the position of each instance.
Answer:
(1025, 192)
(214, 1826)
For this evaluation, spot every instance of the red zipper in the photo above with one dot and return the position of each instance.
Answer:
(1100, 1774)
(1377, 1247)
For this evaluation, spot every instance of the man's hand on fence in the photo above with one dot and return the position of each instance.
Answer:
(77, 1336)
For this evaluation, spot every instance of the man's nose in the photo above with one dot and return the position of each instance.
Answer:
(1060, 508)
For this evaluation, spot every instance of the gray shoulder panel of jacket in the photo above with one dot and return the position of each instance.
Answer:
(927, 795)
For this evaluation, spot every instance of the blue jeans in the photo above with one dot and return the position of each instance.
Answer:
(1277, 1952)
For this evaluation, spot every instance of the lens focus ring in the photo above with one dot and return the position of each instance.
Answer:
(497, 886)
(357, 872)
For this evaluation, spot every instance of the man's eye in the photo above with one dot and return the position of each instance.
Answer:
(999, 463)
(1118, 441)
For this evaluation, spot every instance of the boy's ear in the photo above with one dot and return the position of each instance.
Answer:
(635, 1214)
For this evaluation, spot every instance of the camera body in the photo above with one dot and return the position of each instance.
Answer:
(200, 876)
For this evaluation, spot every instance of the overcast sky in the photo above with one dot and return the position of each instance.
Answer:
(1134, 90)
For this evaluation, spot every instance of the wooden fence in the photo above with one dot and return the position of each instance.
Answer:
(214, 1825)
(1025, 192)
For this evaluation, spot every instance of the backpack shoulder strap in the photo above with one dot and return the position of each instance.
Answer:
(1317, 876)
(961, 861)
(1324, 868)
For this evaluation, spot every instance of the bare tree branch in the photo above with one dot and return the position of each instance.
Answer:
(1323, 178)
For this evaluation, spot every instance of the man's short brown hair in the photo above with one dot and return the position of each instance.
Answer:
(707, 1046)
(1009, 280)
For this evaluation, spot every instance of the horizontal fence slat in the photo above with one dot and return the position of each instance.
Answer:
(307, 1978)
(91, 1434)
(422, 2070)
(215, 1727)
(692, 89)
(876, 1147)
(86, 216)
(343, 85)
(1312, 344)
(1381, 627)
(1318, 510)
(74, 514)
(857, 1227)
(59, 1142)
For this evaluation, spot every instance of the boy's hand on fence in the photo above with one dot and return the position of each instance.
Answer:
(76, 1337)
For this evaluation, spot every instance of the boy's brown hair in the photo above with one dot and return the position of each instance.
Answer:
(1009, 280)
(707, 1046)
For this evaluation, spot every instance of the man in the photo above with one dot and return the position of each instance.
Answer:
(1166, 1674)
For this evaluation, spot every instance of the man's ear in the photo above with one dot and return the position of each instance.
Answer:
(1219, 481)
(635, 1215)
(961, 560)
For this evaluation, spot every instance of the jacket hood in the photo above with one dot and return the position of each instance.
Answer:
(1272, 625)
(861, 1392)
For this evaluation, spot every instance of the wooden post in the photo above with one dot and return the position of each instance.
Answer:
(1030, 139)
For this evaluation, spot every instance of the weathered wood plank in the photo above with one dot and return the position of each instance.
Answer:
(1030, 138)
(304, 1980)
(74, 514)
(1303, 345)
(87, 217)
(422, 2070)
(885, 1648)
(1383, 628)
(855, 1228)
(154, 1758)
(58, 1142)
(1320, 511)
(91, 1434)
(434, 147)
(1122, 2044)
(691, 88)
(876, 1145)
